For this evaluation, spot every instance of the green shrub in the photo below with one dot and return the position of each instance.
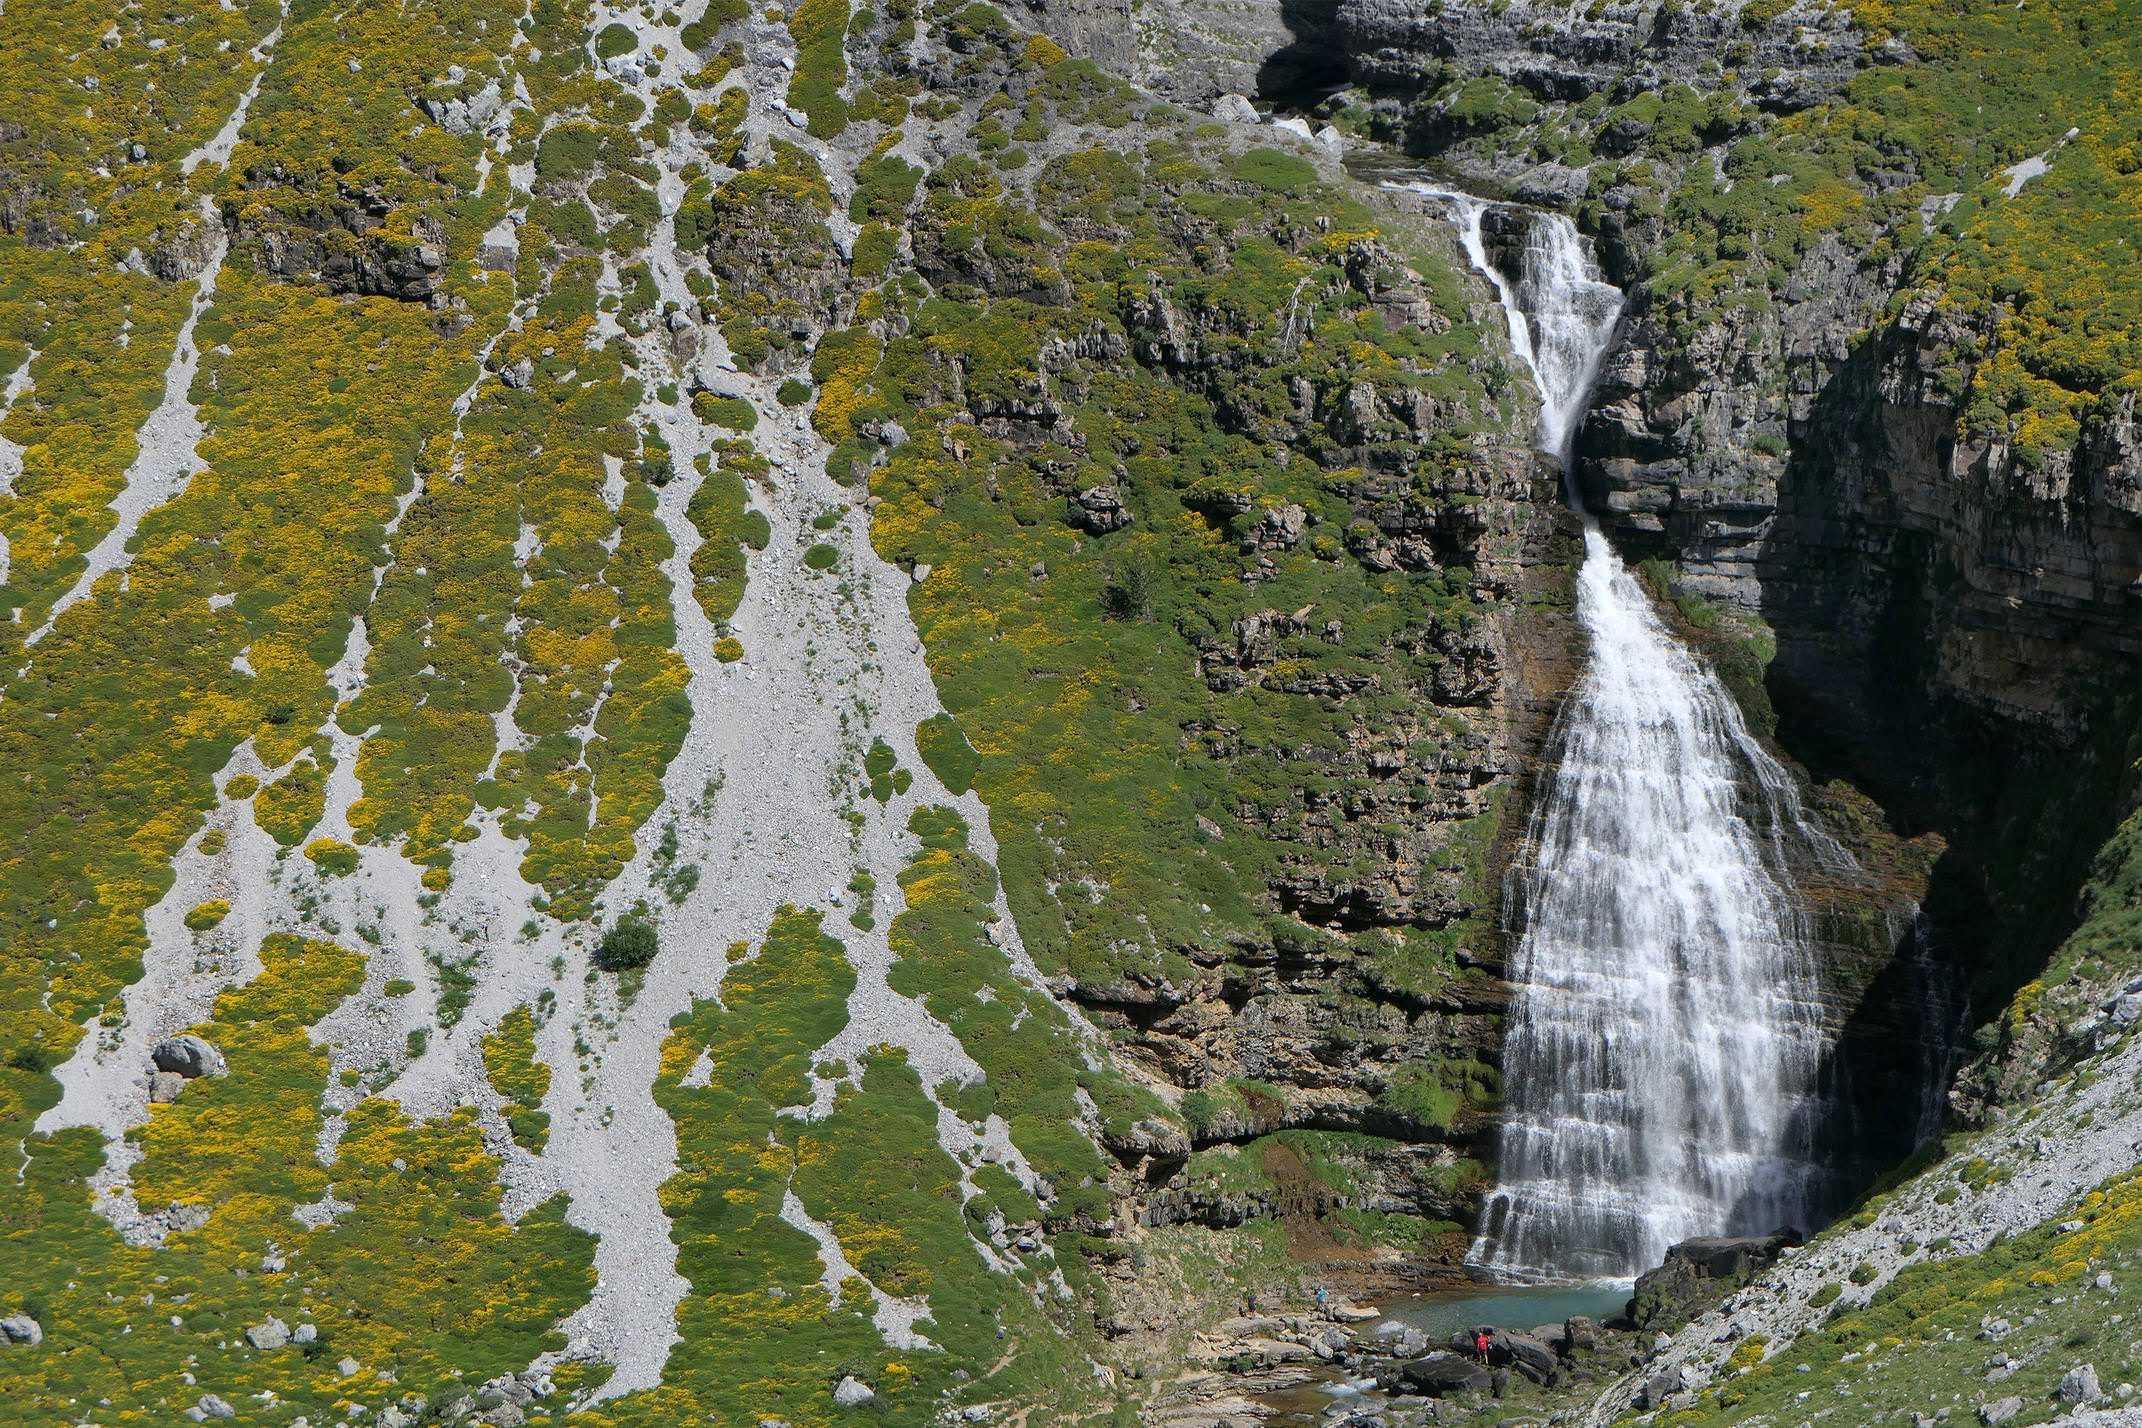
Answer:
(332, 856)
(821, 557)
(1863, 1274)
(728, 649)
(567, 152)
(732, 412)
(208, 914)
(820, 28)
(1270, 169)
(1825, 1296)
(616, 39)
(631, 942)
(946, 752)
(794, 392)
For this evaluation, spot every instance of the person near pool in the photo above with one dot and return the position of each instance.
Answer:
(1480, 1344)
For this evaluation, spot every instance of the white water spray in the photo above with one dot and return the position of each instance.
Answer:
(1661, 1054)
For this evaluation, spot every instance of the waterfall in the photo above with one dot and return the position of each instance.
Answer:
(1661, 1052)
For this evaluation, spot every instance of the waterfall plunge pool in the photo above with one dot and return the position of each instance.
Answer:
(1438, 1316)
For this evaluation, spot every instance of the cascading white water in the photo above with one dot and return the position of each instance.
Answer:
(1660, 1057)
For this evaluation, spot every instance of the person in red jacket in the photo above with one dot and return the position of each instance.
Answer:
(1480, 1343)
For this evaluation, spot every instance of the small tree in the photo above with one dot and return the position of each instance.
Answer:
(1127, 591)
(630, 942)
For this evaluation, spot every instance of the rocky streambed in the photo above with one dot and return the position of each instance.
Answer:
(1288, 1362)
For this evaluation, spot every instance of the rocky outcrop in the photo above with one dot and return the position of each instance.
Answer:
(347, 245)
(1195, 50)
(1551, 53)
(1697, 1273)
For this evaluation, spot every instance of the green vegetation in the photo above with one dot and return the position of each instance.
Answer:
(1917, 1345)
(629, 943)
(881, 768)
(1154, 759)
(727, 527)
(1023, 1041)
(509, 1057)
(208, 914)
(821, 31)
(944, 750)
(873, 1172)
(732, 412)
(419, 1273)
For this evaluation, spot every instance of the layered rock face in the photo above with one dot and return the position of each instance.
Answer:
(1794, 418)
(1192, 50)
(1560, 54)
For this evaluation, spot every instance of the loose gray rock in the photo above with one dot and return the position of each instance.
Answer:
(852, 1393)
(21, 1329)
(1661, 1387)
(271, 1335)
(1999, 1411)
(305, 1334)
(164, 1087)
(210, 1406)
(2079, 1385)
(1552, 185)
(189, 1056)
(1235, 109)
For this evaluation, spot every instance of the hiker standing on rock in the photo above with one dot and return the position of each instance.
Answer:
(1480, 1344)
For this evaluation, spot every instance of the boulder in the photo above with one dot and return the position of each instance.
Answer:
(1526, 1354)
(271, 1335)
(304, 1334)
(2079, 1385)
(164, 1087)
(1235, 109)
(1097, 510)
(1439, 1375)
(210, 1406)
(1660, 1387)
(21, 1329)
(852, 1392)
(1999, 1411)
(1579, 1334)
(187, 1055)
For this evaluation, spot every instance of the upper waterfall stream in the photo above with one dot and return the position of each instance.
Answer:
(1662, 1050)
